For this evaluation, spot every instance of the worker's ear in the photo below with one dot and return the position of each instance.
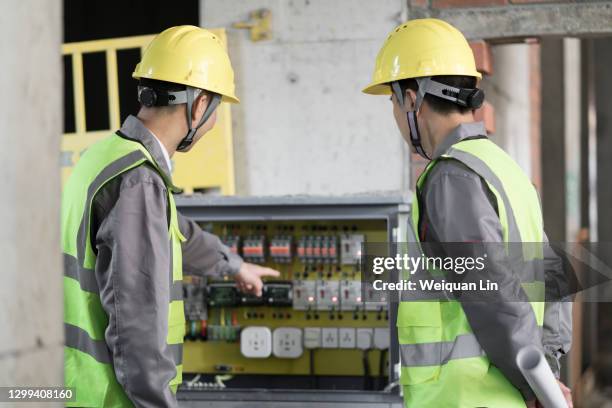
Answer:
(410, 100)
(198, 108)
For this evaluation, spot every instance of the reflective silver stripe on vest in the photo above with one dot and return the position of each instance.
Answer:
(485, 172)
(435, 354)
(79, 339)
(176, 290)
(85, 277)
(177, 353)
(106, 174)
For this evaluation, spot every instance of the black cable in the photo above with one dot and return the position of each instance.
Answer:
(366, 371)
(381, 370)
(313, 377)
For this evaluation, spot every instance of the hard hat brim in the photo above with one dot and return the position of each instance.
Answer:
(384, 88)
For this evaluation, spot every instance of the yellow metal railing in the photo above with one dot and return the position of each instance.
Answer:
(209, 165)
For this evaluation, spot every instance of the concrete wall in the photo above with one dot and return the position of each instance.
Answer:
(31, 334)
(303, 125)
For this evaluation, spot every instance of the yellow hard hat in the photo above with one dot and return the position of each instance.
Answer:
(421, 48)
(190, 56)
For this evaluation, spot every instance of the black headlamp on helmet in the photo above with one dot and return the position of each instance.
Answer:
(150, 97)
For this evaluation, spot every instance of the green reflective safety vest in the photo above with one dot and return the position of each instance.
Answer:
(88, 362)
(443, 365)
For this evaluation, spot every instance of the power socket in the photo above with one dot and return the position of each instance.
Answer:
(347, 337)
(381, 338)
(329, 336)
(364, 338)
(287, 342)
(312, 337)
(256, 342)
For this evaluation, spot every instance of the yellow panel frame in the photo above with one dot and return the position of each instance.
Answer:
(208, 166)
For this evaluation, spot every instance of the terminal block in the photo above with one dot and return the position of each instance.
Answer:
(222, 294)
(278, 293)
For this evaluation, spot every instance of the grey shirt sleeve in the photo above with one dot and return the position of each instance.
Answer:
(204, 253)
(557, 329)
(133, 273)
(458, 208)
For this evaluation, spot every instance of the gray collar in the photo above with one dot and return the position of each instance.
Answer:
(461, 132)
(134, 129)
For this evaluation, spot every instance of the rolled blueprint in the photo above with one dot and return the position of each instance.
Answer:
(538, 374)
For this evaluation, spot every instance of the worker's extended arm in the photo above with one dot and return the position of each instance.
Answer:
(204, 253)
(459, 210)
(133, 274)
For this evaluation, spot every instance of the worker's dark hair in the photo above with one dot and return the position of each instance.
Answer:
(439, 105)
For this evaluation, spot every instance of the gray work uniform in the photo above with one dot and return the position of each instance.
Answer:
(129, 231)
(458, 206)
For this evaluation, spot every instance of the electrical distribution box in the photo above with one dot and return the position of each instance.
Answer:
(314, 327)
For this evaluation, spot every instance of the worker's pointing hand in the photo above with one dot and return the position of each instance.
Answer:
(248, 278)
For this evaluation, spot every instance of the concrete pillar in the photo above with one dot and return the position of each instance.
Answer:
(602, 54)
(303, 125)
(572, 137)
(508, 90)
(602, 58)
(553, 134)
(31, 334)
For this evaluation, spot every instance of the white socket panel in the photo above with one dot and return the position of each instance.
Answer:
(256, 342)
(364, 338)
(312, 337)
(287, 342)
(381, 338)
(346, 337)
(329, 337)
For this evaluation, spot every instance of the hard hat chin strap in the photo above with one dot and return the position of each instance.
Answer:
(415, 135)
(212, 105)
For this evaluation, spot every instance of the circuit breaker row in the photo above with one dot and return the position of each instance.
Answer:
(309, 249)
(305, 295)
(290, 342)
